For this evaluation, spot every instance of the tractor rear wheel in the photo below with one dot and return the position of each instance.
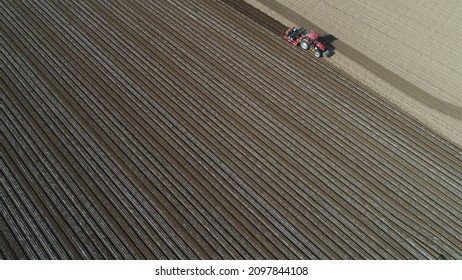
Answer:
(317, 54)
(304, 45)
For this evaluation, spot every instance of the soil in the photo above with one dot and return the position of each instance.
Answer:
(167, 130)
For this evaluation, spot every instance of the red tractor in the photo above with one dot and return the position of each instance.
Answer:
(300, 37)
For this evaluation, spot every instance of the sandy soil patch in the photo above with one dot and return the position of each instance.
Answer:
(405, 51)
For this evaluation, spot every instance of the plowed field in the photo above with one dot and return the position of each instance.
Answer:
(186, 129)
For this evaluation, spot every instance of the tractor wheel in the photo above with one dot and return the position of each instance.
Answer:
(304, 45)
(317, 54)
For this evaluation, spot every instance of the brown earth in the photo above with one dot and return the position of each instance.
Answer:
(406, 51)
(167, 130)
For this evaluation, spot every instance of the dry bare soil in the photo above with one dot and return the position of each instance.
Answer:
(407, 51)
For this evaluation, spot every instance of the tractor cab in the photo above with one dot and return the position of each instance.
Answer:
(313, 38)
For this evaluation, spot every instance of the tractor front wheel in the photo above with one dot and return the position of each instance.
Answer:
(304, 45)
(317, 54)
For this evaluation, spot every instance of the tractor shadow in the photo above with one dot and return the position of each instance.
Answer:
(327, 40)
